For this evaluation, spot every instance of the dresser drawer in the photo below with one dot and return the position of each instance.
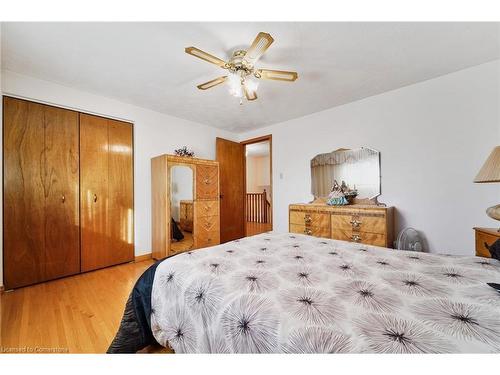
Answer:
(311, 231)
(374, 239)
(207, 182)
(312, 219)
(186, 215)
(206, 224)
(362, 222)
(206, 208)
(206, 239)
(483, 239)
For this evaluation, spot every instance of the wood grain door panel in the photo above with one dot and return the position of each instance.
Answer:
(120, 225)
(231, 158)
(24, 198)
(207, 186)
(61, 182)
(94, 192)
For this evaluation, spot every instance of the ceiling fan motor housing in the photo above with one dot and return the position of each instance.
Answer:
(238, 64)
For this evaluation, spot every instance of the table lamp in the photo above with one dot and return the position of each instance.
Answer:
(490, 172)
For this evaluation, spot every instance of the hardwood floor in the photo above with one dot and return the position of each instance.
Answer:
(78, 314)
(253, 228)
(185, 244)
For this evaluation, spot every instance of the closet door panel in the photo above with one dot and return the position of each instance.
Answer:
(93, 192)
(120, 192)
(61, 182)
(24, 233)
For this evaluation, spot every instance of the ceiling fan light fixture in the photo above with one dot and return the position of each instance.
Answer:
(251, 84)
(242, 78)
(234, 85)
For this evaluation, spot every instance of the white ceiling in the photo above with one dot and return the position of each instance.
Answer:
(145, 63)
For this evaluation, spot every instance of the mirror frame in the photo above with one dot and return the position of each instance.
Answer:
(169, 192)
(357, 200)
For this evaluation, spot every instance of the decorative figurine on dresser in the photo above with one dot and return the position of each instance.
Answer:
(345, 184)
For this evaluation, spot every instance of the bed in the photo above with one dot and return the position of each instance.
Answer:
(290, 293)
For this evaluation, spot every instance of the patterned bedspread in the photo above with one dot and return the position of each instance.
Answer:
(298, 294)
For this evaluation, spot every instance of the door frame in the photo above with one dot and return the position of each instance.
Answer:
(268, 137)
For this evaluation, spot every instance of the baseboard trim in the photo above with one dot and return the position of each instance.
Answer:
(2, 289)
(141, 258)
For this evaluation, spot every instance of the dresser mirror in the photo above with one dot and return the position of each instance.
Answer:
(181, 208)
(358, 168)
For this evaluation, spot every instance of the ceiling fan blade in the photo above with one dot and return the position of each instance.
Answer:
(212, 83)
(205, 56)
(250, 94)
(259, 46)
(278, 75)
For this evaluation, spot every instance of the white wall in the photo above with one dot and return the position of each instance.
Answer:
(433, 138)
(154, 134)
(258, 173)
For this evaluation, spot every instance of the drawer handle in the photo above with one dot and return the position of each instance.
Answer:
(206, 181)
(308, 232)
(95, 198)
(63, 198)
(307, 219)
(356, 238)
(355, 223)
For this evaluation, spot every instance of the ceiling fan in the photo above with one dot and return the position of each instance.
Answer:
(242, 73)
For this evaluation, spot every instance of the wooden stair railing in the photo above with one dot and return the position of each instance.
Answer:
(258, 208)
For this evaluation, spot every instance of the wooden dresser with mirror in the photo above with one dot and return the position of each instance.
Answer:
(363, 220)
(185, 194)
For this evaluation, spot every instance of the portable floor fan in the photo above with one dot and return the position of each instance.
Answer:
(409, 239)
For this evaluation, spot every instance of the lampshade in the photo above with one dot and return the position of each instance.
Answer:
(490, 172)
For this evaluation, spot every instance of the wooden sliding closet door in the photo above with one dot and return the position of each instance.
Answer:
(93, 191)
(24, 200)
(120, 191)
(61, 181)
(106, 192)
(41, 216)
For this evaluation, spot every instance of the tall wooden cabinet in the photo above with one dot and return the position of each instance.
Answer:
(45, 182)
(205, 212)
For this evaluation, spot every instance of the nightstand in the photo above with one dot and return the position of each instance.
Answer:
(485, 236)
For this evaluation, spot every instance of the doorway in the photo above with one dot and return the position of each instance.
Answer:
(258, 186)
(245, 210)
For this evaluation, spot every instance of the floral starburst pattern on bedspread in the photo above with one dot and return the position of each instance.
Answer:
(290, 293)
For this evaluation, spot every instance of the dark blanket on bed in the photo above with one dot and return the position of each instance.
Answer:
(135, 333)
